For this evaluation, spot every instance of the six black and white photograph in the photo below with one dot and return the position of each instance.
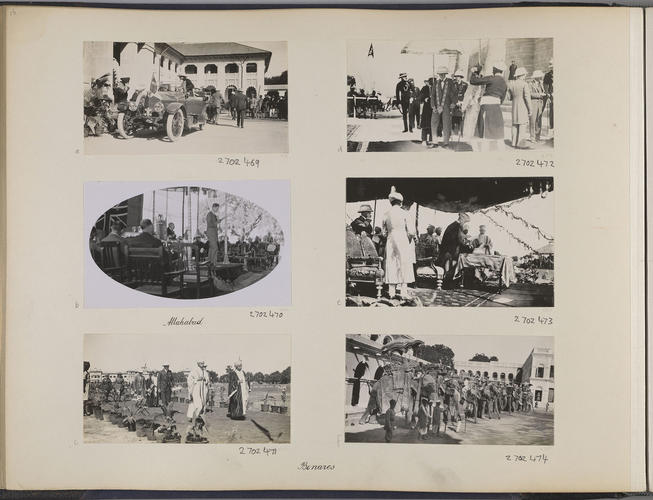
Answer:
(417, 242)
(449, 389)
(171, 98)
(197, 389)
(450, 95)
(452, 242)
(199, 242)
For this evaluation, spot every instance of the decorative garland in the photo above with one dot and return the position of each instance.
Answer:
(519, 240)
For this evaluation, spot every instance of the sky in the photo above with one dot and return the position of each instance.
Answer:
(264, 353)
(508, 348)
(279, 59)
(381, 72)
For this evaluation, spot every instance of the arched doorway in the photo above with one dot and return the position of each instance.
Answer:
(228, 91)
(251, 92)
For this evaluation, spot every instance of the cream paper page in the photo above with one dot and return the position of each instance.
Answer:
(47, 169)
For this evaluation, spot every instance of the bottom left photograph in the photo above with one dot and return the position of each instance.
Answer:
(186, 388)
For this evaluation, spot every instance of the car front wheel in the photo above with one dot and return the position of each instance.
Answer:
(125, 128)
(175, 125)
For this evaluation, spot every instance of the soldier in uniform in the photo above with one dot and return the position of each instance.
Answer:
(402, 93)
(363, 223)
(457, 115)
(443, 100)
(165, 383)
(413, 109)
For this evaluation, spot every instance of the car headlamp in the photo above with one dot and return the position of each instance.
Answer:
(158, 107)
(133, 106)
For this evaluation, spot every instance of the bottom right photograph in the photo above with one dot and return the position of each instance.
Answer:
(449, 389)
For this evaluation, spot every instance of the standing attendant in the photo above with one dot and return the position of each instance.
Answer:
(548, 89)
(164, 382)
(240, 104)
(443, 101)
(139, 385)
(425, 98)
(491, 117)
(402, 94)
(457, 115)
(398, 255)
(198, 390)
(520, 95)
(537, 105)
(87, 385)
(212, 221)
(238, 392)
(389, 423)
(413, 109)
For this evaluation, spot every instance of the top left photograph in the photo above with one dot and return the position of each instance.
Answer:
(185, 98)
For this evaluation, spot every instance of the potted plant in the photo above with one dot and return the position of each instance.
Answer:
(166, 430)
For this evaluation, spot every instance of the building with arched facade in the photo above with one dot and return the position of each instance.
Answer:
(494, 370)
(225, 65)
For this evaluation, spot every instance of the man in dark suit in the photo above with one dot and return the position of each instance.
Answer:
(461, 88)
(454, 241)
(413, 108)
(165, 383)
(240, 104)
(443, 101)
(146, 238)
(362, 223)
(402, 93)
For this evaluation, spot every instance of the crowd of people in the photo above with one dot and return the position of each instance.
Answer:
(396, 242)
(440, 396)
(156, 389)
(447, 105)
(207, 245)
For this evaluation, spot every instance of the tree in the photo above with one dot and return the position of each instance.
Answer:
(285, 376)
(281, 79)
(437, 353)
(213, 376)
(483, 358)
(351, 81)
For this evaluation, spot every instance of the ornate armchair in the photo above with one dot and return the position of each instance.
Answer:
(425, 268)
(363, 266)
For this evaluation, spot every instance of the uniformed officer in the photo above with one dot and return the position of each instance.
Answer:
(413, 109)
(362, 223)
(537, 103)
(402, 94)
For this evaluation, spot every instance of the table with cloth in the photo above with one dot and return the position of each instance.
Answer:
(502, 264)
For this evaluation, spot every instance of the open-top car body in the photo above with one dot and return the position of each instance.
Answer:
(174, 111)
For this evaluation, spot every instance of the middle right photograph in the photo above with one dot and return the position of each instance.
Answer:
(450, 242)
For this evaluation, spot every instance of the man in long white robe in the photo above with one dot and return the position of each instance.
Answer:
(198, 390)
(400, 254)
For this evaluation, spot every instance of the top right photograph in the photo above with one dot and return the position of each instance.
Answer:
(450, 95)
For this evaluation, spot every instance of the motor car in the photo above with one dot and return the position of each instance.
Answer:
(174, 111)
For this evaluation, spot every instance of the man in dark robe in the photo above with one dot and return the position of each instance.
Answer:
(454, 241)
(238, 392)
(402, 94)
(165, 383)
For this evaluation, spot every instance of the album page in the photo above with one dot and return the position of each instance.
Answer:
(324, 249)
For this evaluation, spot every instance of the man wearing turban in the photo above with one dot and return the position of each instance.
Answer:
(238, 392)
(400, 254)
(454, 240)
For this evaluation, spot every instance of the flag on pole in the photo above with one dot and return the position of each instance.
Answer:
(370, 53)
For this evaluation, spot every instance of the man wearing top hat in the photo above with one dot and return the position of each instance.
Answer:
(165, 383)
(491, 117)
(402, 93)
(443, 100)
(362, 224)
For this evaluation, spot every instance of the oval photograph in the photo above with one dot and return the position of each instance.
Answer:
(186, 242)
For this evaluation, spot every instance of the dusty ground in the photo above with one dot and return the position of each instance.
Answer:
(258, 136)
(512, 429)
(385, 134)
